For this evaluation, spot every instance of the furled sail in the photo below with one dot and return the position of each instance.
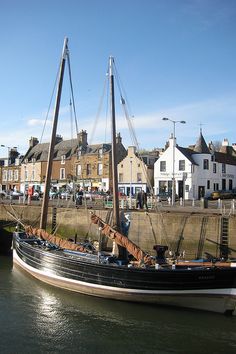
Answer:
(56, 240)
(123, 241)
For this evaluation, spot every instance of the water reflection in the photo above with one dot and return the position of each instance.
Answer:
(45, 319)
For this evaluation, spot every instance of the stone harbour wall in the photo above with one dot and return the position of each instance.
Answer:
(185, 231)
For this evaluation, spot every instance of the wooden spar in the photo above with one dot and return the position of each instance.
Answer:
(116, 218)
(122, 241)
(44, 210)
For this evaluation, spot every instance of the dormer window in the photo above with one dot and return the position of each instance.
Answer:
(79, 153)
(63, 159)
(100, 153)
(33, 159)
(26, 160)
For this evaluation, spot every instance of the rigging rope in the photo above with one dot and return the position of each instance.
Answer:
(125, 107)
(72, 91)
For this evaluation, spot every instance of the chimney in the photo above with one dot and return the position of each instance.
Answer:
(33, 141)
(58, 139)
(131, 150)
(225, 142)
(82, 138)
(118, 139)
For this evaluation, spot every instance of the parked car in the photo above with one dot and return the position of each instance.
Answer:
(53, 194)
(163, 196)
(66, 195)
(17, 194)
(222, 195)
(3, 195)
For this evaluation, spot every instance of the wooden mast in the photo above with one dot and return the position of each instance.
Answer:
(116, 217)
(44, 210)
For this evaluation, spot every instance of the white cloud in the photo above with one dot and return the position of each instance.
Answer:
(216, 116)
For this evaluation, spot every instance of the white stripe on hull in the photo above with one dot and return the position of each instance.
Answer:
(216, 300)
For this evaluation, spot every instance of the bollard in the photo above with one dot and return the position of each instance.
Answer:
(233, 206)
(204, 203)
(219, 203)
(193, 202)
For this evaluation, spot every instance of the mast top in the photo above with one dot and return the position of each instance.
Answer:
(65, 48)
(111, 61)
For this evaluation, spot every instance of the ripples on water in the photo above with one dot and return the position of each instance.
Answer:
(37, 318)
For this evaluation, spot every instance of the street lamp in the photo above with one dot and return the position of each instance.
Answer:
(130, 188)
(173, 162)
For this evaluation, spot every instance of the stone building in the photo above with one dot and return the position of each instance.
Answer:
(136, 171)
(93, 163)
(10, 171)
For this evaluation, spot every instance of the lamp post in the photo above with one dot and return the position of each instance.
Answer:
(173, 157)
(130, 188)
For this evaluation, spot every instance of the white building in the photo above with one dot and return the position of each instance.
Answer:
(196, 171)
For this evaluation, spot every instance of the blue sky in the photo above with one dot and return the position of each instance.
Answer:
(175, 58)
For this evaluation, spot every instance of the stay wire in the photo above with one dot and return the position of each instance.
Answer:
(126, 109)
(72, 92)
(50, 104)
(99, 110)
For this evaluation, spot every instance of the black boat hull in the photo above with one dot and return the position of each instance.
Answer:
(212, 289)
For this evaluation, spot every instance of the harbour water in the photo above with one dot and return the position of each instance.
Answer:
(38, 318)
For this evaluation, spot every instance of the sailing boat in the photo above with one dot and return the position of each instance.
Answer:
(147, 279)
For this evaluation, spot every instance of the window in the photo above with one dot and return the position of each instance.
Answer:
(214, 167)
(223, 168)
(99, 169)
(26, 175)
(208, 184)
(4, 177)
(206, 164)
(223, 184)
(230, 184)
(120, 177)
(10, 175)
(63, 159)
(33, 175)
(163, 166)
(89, 169)
(16, 175)
(139, 177)
(78, 170)
(181, 165)
(216, 186)
(62, 173)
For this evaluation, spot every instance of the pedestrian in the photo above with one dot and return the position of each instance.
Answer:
(139, 200)
(78, 198)
(144, 199)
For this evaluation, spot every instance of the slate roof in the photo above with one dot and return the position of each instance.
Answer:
(65, 147)
(225, 158)
(201, 145)
(187, 153)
